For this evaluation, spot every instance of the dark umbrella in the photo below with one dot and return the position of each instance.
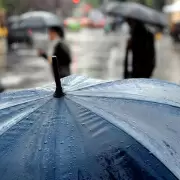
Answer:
(139, 12)
(45, 18)
(108, 7)
(93, 130)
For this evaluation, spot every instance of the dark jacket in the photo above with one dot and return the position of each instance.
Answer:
(143, 52)
(62, 52)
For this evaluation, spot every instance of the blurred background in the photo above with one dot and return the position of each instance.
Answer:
(97, 42)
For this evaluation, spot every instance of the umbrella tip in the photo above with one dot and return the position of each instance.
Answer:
(59, 91)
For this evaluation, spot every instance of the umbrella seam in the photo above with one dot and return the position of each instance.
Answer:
(175, 106)
(25, 116)
(101, 83)
(22, 103)
(75, 123)
(174, 172)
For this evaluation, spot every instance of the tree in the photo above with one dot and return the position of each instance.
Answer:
(94, 3)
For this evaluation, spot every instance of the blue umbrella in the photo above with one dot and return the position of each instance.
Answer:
(92, 130)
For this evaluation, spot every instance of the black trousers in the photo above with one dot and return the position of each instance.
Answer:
(1, 88)
(142, 74)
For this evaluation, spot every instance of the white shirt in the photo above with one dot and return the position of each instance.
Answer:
(51, 48)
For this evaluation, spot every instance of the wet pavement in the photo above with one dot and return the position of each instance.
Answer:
(95, 54)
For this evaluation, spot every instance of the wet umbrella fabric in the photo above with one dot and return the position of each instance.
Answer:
(44, 18)
(98, 130)
(139, 12)
(108, 7)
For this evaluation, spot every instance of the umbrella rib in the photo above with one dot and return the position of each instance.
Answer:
(24, 102)
(10, 125)
(92, 111)
(125, 98)
(105, 82)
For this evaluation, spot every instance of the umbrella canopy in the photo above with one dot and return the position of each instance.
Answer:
(42, 17)
(175, 7)
(108, 7)
(92, 130)
(139, 12)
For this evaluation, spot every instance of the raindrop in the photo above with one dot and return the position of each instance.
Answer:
(40, 149)
(45, 142)
(62, 142)
(127, 147)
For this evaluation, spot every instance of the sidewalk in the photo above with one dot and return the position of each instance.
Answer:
(97, 59)
(26, 72)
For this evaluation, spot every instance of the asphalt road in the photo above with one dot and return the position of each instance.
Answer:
(95, 54)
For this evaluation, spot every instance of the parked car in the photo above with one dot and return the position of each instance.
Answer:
(85, 21)
(12, 22)
(72, 24)
(175, 32)
(97, 19)
(20, 34)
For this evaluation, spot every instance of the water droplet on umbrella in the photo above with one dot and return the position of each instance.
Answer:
(45, 142)
(62, 142)
(40, 149)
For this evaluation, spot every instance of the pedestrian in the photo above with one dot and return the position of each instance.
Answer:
(58, 48)
(141, 45)
(2, 89)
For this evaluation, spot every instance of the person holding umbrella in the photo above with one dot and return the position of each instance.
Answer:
(58, 48)
(141, 44)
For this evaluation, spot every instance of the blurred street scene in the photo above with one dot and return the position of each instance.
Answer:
(96, 52)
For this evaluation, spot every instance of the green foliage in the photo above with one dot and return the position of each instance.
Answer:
(94, 3)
